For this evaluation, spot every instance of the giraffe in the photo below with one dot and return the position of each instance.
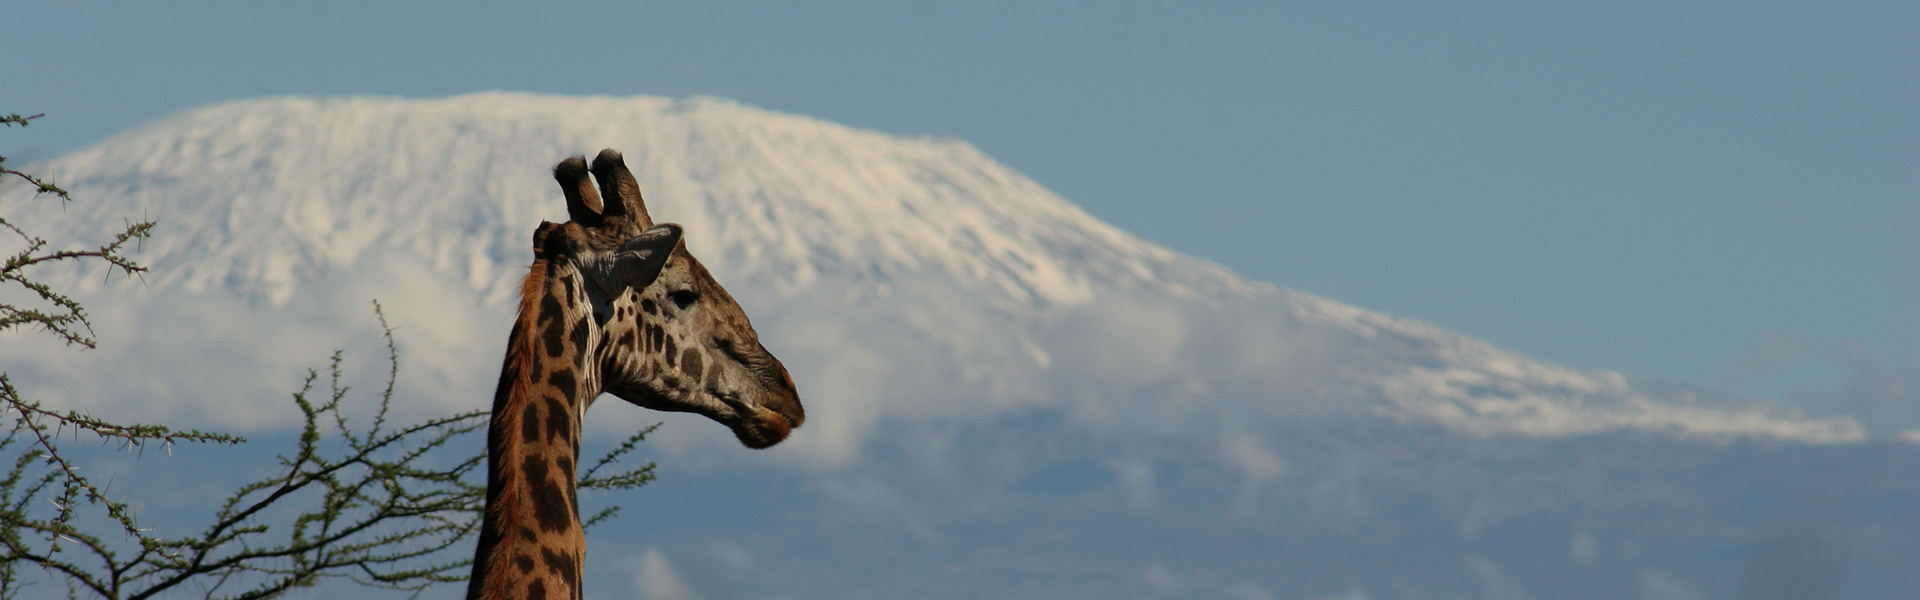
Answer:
(615, 304)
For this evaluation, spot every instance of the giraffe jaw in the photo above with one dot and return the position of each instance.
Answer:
(754, 425)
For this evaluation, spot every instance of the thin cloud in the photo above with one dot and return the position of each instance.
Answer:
(1775, 353)
(656, 579)
(1657, 585)
(1497, 585)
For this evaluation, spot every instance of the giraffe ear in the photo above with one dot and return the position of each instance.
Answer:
(637, 262)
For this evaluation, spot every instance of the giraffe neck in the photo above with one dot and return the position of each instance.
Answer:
(531, 544)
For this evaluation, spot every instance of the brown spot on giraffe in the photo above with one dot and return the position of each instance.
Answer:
(549, 502)
(581, 329)
(565, 465)
(561, 355)
(559, 424)
(553, 333)
(690, 363)
(530, 424)
(564, 566)
(563, 381)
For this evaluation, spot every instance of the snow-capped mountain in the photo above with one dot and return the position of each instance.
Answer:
(261, 194)
(268, 198)
(1006, 397)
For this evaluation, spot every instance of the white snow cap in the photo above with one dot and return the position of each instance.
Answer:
(905, 278)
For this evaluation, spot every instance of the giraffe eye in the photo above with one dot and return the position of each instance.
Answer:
(683, 298)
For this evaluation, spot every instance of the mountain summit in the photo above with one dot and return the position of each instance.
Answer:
(894, 265)
(259, 195)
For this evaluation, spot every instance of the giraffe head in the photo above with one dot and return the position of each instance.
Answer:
(665, 335)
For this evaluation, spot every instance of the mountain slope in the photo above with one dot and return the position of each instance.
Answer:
(263, 193)
(963, 276)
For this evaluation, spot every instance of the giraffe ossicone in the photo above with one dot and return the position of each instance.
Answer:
(612, 304)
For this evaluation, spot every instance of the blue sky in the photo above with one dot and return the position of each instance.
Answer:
(1717, 193)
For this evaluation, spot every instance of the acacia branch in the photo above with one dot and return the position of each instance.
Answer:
(373, 511)
(41, 186)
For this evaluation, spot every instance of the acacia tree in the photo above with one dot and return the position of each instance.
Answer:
(376, 505)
